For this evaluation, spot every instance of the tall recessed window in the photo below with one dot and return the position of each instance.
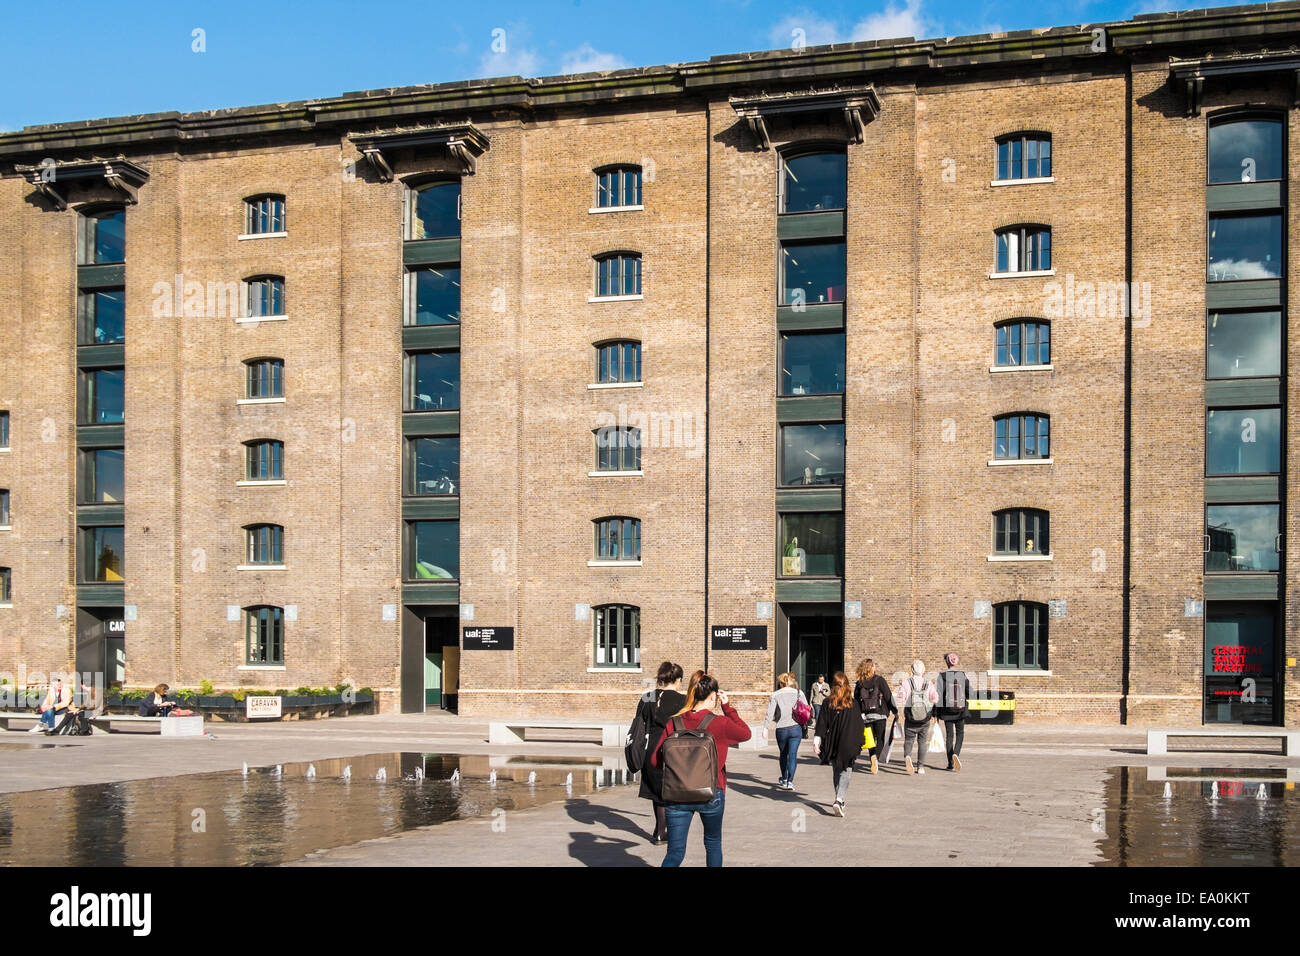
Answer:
(1245, 150)
(1024, 249)
(1020, 636)
(618, 539)
(6, 586)
(433, 550)
(101, 475)
(4, 429)
(1023, 342)
(265, 378)
(433, 466)
(101, 554)
(813, 182)
(618, 186)
(264, 635)
(1024, 156)
(812, 363)
(1021, 436)
(1021, 531)
(1245, 247)
(1241, 538)
(812, 272)
(265, 543)
(617, 274)
(434, 211)
(812, 544)
(618, 448)
(618, 362)
(264, 214)
(433, 295)
(432, 381)
(1243, 441)
(265, 460)
(103, 237)
(4, 506)
(1243, 344)
(617, 635)
(812, 454)
(265, 296)
(103, 396)
(102, 315)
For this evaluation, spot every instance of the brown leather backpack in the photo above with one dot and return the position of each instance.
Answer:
(690, 763)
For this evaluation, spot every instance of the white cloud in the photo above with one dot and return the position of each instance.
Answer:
(509, 53)
(894, 22)
(816, 31)
(586, 59)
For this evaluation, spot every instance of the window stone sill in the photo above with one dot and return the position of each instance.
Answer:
(1020, 557)
(1027, 672)
(615, 298)
(5, 450)
(254, 319)
(1023, 182)
(613, 564)
(1004, 462)
(615, 474)
(1022, 275)
(262, 567)
(261, 667)
(600, 385)
(600, 209)
(262, 235)
(258, 484)
(260, 401)
(6, 527)
(614, 670)
(1022, 368)
(6, 607)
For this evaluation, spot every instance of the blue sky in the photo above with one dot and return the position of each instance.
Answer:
(100, 59)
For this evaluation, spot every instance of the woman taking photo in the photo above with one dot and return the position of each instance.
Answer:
(780, 708)
(837, 738)
(664, 701)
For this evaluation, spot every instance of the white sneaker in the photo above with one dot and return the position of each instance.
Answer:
(838, 808)
(920, 769)
(37, 729)
(910, 768)
(956, 763)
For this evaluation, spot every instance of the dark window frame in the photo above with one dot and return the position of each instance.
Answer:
(257, 288)
(1020, 525)
(1241, 409)
(801, 151)
(410, 363)
(1042, 430)
(6, 517)
(624, 449)
(1263, 212)
(418, 185)
(87, 557)
(261, 210)
(87, 310)
(256, 379)
(615, 529)
(1238, 114)
(264, 630)
(841, 559)
(1027, 615)
(4, 428)
(264, 544)
(1279, 538)
(411, 288)
(254, 455)
(617, 366)
(410, 553)
(85, 233)
(6, 586)
(87, 484)
(781, 451)
(409, 489)
(1031, 250)
(605, 278)
(616, 627)
(1210, 315)
(1021, 326)
(619, 174)
(1024, 138)
(88, 395)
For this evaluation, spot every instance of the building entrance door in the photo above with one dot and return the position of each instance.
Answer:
(1240, 663)
(816, 647)
(101, 645)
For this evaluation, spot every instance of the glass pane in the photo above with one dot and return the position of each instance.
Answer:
(1045, 158)
(1006, 242)
(435, 549)
(107, 237)
(1239, 648)
(812, 455)
(435, 381)
(812, 544)
(1244, 344)
(104, 554)
(1245, 151)
(818, 181)
(1004, 161)
(437, 295)
(1017, 170)
(1242, 538)
(1243, 441)
(1003, 355)
(812, 363)
(435, 466)
(816, 270)
(105, 395)
(436, 212)
(1044, 344)
(1245, 247)
(104, 317)
(106, 471)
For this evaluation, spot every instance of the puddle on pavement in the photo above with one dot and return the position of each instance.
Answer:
(1184, 816)
(34, 746)
(276, 816)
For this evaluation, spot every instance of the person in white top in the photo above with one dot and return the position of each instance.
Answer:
(915, 699)
(780, 708)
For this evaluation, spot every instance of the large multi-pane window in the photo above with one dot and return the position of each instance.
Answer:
(433, 295)
(618, 448)
(812, 363)
(618, 273)
(102, 475)
(813, 182)
(1024, 156)
(618, 186)
(1020, 636)
(102, 396)
(433, 466)
(265, 378)
(1245, 150)
(103, 237)
(618, 362)
(1020, 436)
(618, 539)
(1241, 641)
(265, 544)
(4, 506)
(1241, 537)
(265, 296)
(1021, 531)
(103, 317)
(1024, 249)
(4, 429)
(1245, 246)
(812, 454)
(434, 211)
(618, 635)
(1243, 441)
(265, 460)
(1243, 344)
(812, 272)
(6, 586)
(101, 554)
(264, 635)
(264, 214)
(433, 550)
(1023, 342)
(812, 544)
(432, 381)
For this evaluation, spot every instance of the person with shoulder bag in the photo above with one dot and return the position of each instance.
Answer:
(876, 703)
(838, 737)
(653, 713)
(953, 709)
(692, 755)
(916, 698)
(791, 711)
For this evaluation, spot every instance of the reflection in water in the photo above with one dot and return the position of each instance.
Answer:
(270, 817)
(1193, 817)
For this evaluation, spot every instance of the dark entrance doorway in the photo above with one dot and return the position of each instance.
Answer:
(816, 642)
(1241, 650)
(430, 657)
(101, 644)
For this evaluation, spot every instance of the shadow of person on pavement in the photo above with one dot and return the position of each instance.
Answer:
(595, 814)
(592, 849)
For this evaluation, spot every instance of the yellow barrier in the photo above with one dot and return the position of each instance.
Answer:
(992, 704)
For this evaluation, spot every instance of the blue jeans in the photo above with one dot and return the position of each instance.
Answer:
(679, 828)
(787, 742)
(47, 719)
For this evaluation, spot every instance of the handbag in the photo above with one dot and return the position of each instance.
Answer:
(868, 739)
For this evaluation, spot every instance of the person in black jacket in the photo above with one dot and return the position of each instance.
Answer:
(876, 702)
(837, 739)
(661, 703)
(953, 709)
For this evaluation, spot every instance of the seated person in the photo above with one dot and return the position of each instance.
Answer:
(56, 703)
(153, 705)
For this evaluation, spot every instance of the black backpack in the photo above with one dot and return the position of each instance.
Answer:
(953, 693)
(637, 746)
(869, 697)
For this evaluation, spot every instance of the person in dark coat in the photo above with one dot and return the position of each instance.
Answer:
(876, 702)
(662, 702)
(954, 690)
(838, 736)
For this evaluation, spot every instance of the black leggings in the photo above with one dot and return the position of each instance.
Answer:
(880, 728)
(954, 731)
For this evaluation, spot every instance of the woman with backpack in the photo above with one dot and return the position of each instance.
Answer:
(876, 703)
(838, 737)
(916, 697)
(655, 710)
(712, 714)
(786, 706)
(953, 709)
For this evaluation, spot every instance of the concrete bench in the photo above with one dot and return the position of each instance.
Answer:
(28, 716)
(167, 726)
(1158, 740)
(612, 733)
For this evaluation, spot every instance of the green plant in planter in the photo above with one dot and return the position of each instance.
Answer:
(206, 689)
(239, 695)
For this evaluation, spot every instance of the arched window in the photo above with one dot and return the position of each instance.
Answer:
(264, 215)
(1023, 342)
(618, 635)
(265, 460)
(618, 274)
(265, 296)
(1021, 531)
(1245, 149)
(4, 507)
(618, 186)
(103, 235)
(1023, 435)
(265, 543)
(618, 539)
(1020, 636)
(265, 378)
(6, 586)
(618, 448)
(1026, 248)
(433, 210)
(618, 362)
(264, 630)
(1024, 156)
(814, 181)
